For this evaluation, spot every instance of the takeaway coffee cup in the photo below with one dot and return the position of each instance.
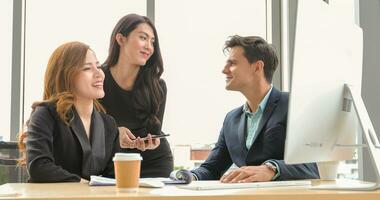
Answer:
(127, 171)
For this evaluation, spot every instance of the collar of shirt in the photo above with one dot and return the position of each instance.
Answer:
(261, 106)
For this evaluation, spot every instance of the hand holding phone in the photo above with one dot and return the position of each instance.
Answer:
(156, 136)
(150, 142)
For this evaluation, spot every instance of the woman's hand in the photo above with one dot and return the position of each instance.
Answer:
(147, 143)
(83, 181)
(128, 140)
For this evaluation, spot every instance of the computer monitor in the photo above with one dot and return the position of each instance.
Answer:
(325, 108)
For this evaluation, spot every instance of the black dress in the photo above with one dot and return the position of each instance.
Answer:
(119, 104)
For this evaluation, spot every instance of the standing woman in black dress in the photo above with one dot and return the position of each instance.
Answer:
(134, 93)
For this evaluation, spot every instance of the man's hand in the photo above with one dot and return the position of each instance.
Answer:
(248, 174)
(128, 140)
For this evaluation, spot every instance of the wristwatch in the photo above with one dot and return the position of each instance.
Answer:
(271, 166)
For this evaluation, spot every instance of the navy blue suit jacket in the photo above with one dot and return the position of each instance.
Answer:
(268, 143)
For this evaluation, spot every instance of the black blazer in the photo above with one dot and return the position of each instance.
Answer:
(268, 143)
(57, 152)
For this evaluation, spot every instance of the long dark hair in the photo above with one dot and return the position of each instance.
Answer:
(148, 92)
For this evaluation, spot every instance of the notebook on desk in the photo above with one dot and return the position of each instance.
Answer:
(217, 185)
(143, 182)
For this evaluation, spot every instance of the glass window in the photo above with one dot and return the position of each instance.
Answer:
(87, 21)
(6, 13)
(192, 35)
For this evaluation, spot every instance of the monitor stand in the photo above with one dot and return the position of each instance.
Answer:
(328, 170)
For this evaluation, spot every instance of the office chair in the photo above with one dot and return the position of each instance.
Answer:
(10, 172)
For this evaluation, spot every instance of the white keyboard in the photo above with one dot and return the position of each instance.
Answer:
(217, 185)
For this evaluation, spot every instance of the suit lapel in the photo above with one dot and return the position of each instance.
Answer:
(269, 108)
(77, 127)
(97, 139)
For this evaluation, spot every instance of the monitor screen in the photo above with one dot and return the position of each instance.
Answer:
(327, 55)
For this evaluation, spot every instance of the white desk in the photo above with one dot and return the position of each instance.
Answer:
(82, 191)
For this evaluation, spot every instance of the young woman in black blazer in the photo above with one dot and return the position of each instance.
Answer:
(135, 94)
(69, 137)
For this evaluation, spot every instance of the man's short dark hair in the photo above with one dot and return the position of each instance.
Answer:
(256, 48)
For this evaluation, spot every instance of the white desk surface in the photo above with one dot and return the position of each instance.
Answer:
(83, 191)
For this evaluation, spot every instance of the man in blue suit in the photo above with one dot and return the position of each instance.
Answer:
(253, 135)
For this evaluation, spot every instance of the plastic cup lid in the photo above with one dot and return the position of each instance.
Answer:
(127, 156)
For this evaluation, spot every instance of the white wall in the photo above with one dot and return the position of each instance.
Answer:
(192, 35)
(50, 23)
(6, 16)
